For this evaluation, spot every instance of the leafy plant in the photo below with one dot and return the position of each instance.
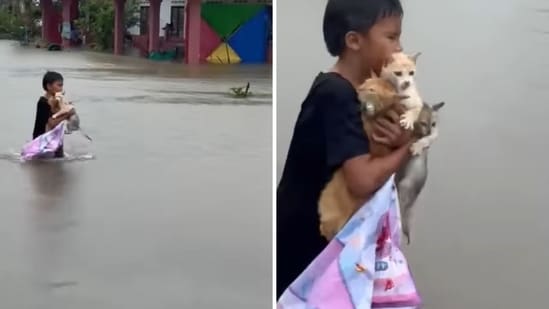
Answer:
(97, 20)
(16, 19)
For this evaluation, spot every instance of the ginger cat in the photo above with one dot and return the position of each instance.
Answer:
(336, 204)
(377, 95)
(59, 106)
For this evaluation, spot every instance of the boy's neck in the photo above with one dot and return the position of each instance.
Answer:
(351, 71)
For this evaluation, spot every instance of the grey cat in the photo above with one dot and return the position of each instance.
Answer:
(73, 124)
(412, 177)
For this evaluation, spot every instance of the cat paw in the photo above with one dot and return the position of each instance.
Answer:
(407, 121)
(416, 149)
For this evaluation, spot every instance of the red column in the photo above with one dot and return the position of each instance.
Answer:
(50, 23)
(74, 10)
(154, 24)
(192, 29)
(65, 25)
(119, 27)
(45, 6)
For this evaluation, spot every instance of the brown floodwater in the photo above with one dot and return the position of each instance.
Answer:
(174, 211)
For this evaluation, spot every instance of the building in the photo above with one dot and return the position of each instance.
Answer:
(221, 32)
(171, 27)
(199, 31)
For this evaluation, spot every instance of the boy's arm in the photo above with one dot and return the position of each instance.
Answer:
(364, 174)
(53, 122)
(347, 147)
(389, 132)
(66, 112)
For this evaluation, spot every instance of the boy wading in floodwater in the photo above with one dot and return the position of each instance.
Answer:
(52, 83)
(328, 133)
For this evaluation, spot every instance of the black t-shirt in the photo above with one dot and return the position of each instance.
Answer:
(327, 133)
(43, 113)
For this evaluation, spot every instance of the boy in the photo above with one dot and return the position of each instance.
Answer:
(52, 83)
(328, 133)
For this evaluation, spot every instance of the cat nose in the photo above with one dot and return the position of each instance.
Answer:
(405, 85)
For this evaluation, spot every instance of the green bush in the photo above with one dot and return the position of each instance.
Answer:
(10, 25)
(14, 23)
(97, 20)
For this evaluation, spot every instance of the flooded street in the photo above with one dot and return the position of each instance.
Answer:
(481, 230)
(174, 211)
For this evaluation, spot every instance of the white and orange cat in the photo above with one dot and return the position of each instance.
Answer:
(400, 71)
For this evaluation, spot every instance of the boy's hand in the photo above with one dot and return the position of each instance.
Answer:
(388, 131)
(71, 111)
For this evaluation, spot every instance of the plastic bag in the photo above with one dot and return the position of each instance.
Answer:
(45, 145)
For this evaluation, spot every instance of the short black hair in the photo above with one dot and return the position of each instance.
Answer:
(342, 16)
(51, 77)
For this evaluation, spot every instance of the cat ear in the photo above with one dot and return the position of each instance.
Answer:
(438, 106)
(414, 57)
(373, 74)
(400, 96)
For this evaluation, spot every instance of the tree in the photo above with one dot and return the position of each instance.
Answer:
(97, 20)
(17, 17)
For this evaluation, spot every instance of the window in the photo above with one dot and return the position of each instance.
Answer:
(143, 20)
(177, 20)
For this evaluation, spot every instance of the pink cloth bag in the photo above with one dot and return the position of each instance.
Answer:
(362, 267)
(393, 282)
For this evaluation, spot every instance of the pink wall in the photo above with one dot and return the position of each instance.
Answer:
(192, 42)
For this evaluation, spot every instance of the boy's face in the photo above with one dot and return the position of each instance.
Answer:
(376, 46)
(56, 86)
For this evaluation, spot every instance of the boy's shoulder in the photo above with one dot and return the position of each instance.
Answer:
(332, 86)
(43, 101)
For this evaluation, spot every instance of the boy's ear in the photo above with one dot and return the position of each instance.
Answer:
(352, 40)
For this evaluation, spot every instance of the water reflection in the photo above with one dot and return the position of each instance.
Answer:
(52, 219)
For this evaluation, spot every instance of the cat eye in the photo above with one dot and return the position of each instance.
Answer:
(398, 73)
(433, 124)
(412, 73)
